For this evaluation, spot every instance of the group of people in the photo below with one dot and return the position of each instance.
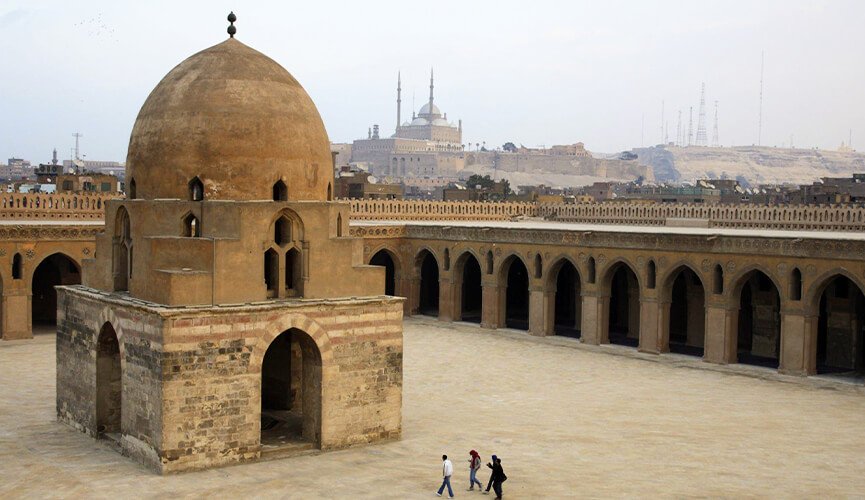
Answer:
(497, 476)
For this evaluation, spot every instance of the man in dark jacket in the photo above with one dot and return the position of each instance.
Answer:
(497, 477)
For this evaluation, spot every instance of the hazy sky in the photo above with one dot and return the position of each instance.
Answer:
(536, 72)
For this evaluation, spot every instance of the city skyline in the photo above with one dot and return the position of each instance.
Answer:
(592, 73)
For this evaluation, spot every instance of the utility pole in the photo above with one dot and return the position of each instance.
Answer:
(679, 129)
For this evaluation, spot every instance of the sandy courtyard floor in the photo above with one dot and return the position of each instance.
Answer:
(566, 421)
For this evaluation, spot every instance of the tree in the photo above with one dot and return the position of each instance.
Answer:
(510, 147)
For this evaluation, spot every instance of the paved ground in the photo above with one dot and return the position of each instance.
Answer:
(567, 421)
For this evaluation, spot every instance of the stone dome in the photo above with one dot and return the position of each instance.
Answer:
(419, 122)
(235, 119)
(425, 110)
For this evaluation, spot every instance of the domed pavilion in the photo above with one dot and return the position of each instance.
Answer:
(226, 315)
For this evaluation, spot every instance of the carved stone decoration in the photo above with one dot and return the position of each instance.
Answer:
(602, 258)
(731, 266)
(663, 261)
(705, 265)
(641, 260)
(810, 270)
(583, 258)
(498, 252)
(30, 253)
(782, 268)
(2, 253)
(86, 251)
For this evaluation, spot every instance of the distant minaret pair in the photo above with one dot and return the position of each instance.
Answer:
(399, 96)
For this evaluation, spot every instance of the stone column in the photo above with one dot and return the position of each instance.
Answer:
(538, 314)
(549, 303)
(413, 295)
(654, 338)
(722, 322)
(489, 302)
(595, 327)
(403, 288)
(798, 342)
(17, 314)
(446, 297)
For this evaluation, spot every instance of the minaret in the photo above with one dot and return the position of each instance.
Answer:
(398, 99)
(430, 92)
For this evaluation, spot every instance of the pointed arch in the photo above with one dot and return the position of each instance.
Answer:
(196, 189)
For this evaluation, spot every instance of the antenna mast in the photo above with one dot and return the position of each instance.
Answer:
(679, 129)
(77, 136)
(701, 119)
(662, 121)
(715, 141)
(690, 125)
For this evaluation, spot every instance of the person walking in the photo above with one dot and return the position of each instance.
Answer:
(490, 482)
(474, 467)
(447, 472)
(497, 477)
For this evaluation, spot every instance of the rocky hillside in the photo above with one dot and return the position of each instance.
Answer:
(756, 165)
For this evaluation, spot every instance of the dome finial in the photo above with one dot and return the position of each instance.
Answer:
(231, 28)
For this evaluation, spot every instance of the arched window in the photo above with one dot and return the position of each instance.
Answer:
(796, 284)
(122, 250)
(329, 192)
(489, 262)
(191, 227)
(338, 225)
(282, 231)
(539, 266)
(590, 271)
(447, 259)
(271, 271)
(196, 189)
(280, 191)
(16, 267)
(131, 191)
(718, 280)
(650, 274)
(293, 273)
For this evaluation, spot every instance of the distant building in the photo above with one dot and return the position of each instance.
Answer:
(428, 146)
(80, 183)
(356, 184)
(16, 169)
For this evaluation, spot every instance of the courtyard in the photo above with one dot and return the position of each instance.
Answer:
(566, 419)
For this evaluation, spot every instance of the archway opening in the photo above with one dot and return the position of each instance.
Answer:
(291, 393)
(687, 321)
(109, 384)
(567, 315)
(54, 270)
(471, 291)
(841, 329)
(428, 302)
(759, 333)
(383, 258)
(517, 295)
(624, 314)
